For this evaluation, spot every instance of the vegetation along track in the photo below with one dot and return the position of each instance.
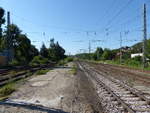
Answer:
(20, 73)
(123, 72)
(116, 97)
(124, 77)
(8, 70)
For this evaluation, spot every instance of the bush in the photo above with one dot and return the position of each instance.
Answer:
(68, 59)
(137, 58)
(73, 70)
(133, 62)
(14, 63)
(107, 55)
(38, 60)
(41, 72)
(7, 90)
(61, 62)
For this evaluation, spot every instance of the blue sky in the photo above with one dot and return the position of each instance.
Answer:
(74, 22)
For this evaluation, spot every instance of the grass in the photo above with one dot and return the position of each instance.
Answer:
(64, 62)
(140, 67)
(9, 88)
(117, 63)
(73, 70)
(6, 90)
(42, 72)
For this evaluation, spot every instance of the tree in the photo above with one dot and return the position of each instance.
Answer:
(98, 53)
(14, 36)
(59, 52)
(107, 55)
(44, 51)
(56, 52)
(23, 50)
(33, 51)
(2, 20)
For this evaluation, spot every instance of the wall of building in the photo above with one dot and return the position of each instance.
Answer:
(137, 54)
(3, 60)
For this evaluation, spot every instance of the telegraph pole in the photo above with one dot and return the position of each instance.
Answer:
(89, 49)
(8, 30)
(9, 53)
(144, 37)
(89, 46)
(120, 48)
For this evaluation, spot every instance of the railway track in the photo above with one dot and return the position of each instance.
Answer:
(116, 96)
(19, 74)
(109, 68)
(8, 70)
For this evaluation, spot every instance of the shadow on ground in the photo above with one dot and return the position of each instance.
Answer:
(33, 107)
(65, 67)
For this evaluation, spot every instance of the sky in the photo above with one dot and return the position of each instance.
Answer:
(75, 23)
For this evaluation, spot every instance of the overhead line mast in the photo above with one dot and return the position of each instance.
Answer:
(144, 37)
(120, 48)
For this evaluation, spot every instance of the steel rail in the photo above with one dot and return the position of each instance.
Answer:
(110, 91)
(13, 77)
(133, 90)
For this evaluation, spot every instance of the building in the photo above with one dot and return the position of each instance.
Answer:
(3, 58)
(136, 54)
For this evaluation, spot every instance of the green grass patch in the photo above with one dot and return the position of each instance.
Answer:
(42, 72)
(73, 70)
(6, 90)
(64, 62)
(130, 64)
(9, 88)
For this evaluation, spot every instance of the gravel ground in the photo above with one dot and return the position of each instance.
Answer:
(58, 90)
(110, 105)
(133, 78)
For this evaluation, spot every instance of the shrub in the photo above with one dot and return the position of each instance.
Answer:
(133, 62)
(14, 63)
(41, 72)
(73, 70)
(68, 59)
(7, 90)
(61, 62)
(137, 58)
(37, 60)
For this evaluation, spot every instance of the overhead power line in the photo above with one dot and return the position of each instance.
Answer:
(53, 27)
(106, 12)
(118, 13)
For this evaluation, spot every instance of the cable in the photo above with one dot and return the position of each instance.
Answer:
(128, 21)
(107, 11)
(118, 13)
(54, 27)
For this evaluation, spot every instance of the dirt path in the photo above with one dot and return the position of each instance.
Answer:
(58, 90)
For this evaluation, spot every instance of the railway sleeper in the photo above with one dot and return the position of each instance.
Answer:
(141, 108)
(136, 103)
(131, 98)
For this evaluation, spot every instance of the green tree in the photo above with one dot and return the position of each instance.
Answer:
(14, 34)
(44, 51)
(2, 20)
(56, 52)
(148, 48)
(23, 50)
(33, 51)
(107, 55)
(98, 53)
